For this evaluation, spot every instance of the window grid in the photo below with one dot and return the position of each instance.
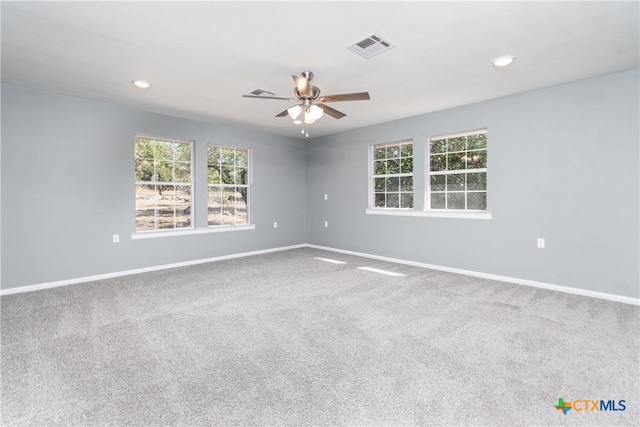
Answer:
(163, 183)
(457, 176)
(392, 175)
(228, 185)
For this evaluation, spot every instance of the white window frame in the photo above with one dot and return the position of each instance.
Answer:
(373, 176)
(453, 212)
(167, 231)
(248, 186)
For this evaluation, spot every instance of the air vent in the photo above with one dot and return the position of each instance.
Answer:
(259, 92)
(371, 45)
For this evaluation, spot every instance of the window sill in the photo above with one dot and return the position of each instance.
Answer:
(190, 231)
(432, 214)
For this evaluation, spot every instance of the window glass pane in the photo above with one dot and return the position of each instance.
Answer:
(457, 144)
(182, 151)
(475, 142)
(380, 201)
(393, 200)
(145, 207)
(455, 200)
(164, 171)
(438, 182)
(406, 200)
(393, 151)
(144, 169)
(213, 174)
(378, 184)
(183, 206)
(393, 184)
(455, 182)
(406, 150)
(406, 165)
(241, 158)
(380, 153)
(476, 159)
(393, 166)
(164, 150)
(406, 183)
(227, 174)
(215, 206)
(477, 181)
(241, 176)
(144, 148)
(437, 146)
(455, 162)
(438, 201)
(165, 207)
(183, 172)
(477, 201)
(227, 156)
(381, 167)
(438, 162)
(213, 155)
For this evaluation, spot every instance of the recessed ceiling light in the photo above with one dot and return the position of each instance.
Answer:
(502, 61)
(141, 84)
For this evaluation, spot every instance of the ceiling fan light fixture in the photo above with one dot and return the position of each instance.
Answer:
(294, 111)
(503, 61)
(297, 121)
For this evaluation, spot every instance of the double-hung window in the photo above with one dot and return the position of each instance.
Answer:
(457, 174)
(391, 183)
(163, 183)
(228, 185)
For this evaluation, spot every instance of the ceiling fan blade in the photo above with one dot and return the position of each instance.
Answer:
(302, 84)
(268, 97)
(359, 96)
(284, 113)
(331, 111)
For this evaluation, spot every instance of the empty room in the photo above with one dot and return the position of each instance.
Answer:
(351, 213)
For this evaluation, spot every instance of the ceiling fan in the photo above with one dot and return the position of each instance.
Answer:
(310, 101)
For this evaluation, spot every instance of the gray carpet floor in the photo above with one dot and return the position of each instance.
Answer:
(287, 339)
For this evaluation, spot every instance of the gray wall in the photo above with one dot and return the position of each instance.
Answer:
(67, 187)
(563, 165)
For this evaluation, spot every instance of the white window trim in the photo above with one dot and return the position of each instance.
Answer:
(191, 231)
(248, 185)
(450, 213)
(432, 214)
(192, 144)
(372, 175)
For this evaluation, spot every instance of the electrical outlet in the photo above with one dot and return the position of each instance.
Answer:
(116, 238)
(275, 225)
(326, 223)
(540, 243)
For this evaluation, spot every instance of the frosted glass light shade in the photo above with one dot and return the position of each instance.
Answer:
(316, 111)
(308, 117)
(294, 111)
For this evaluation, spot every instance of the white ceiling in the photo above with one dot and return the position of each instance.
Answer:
(200, 57)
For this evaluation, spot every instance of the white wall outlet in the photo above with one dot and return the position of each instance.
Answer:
(116, 238)
(275, 224)
(540, 243)
(326, 197)
(326, 223)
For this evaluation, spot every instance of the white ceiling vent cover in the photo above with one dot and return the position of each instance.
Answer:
(259, 92)
(371, 45)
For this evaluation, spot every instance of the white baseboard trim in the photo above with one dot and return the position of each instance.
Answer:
(30, 288)
(566, 289)
(575, 291)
